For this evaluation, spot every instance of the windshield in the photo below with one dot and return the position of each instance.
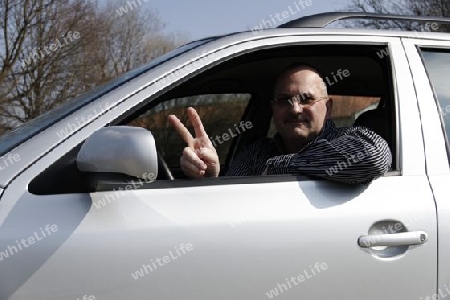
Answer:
(27, 130)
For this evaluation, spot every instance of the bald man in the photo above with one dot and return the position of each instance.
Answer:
(307, 141)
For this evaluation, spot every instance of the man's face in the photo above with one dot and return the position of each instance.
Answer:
(295, 121)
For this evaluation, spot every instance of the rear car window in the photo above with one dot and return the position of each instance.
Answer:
(437, 63)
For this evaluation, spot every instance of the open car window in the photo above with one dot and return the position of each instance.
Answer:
(240, 89)
(363, 97)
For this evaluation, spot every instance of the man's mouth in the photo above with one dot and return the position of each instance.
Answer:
(297, 121)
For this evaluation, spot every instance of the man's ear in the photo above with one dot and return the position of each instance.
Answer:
(329, 105)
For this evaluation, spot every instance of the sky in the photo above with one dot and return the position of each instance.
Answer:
(202, 18)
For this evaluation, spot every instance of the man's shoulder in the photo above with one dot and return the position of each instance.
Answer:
(351, 129)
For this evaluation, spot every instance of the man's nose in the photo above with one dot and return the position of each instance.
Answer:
(296, 107)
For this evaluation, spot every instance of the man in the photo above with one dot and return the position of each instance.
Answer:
(307, 141)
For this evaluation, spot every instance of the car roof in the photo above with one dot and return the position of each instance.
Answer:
(339, 31)
(317, 24)
(321, 20)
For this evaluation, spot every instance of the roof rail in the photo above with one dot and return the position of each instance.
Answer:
(323, 19)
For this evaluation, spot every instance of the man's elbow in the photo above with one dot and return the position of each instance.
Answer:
(366, 170)
(378, 165)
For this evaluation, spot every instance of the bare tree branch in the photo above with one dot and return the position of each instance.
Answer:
(44, 65)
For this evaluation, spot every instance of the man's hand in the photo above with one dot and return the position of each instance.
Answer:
(199, 158)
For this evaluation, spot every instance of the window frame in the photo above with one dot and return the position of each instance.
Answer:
(150, 93)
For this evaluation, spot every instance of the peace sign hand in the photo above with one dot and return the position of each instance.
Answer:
(199, 158)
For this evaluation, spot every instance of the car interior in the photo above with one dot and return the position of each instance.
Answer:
(253, 74)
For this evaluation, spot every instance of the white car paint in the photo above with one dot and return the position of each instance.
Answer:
(437, 162)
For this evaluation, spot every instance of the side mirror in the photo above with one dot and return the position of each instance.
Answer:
(120, 149)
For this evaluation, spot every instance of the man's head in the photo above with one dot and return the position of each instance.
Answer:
(300, 123)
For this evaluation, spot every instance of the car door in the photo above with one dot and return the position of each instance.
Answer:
(429, 63)
(231, 238)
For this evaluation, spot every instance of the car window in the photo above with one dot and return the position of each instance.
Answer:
(436, 63)
(221, 94)
(356, 96)
(220, 115)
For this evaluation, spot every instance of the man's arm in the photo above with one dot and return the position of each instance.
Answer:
(358, 155)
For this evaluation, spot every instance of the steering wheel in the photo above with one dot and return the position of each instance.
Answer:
(163, 167)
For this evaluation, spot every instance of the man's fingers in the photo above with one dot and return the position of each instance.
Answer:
(196, 123)
(190, 170)
(181, 129)
(208, 155)
(190, 156)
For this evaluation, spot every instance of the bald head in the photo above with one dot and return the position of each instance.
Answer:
(309, 76)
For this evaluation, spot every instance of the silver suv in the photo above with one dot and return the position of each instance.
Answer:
(93, 204)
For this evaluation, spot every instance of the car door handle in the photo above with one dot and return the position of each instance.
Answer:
(395, 239)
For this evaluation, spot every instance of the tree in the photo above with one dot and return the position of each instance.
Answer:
(40, 37)
(437, 8)
(56, 50)
(122, 42)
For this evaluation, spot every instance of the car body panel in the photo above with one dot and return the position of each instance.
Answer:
(437, 161)
(283, 231)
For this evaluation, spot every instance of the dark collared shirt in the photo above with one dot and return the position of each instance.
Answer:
(348, 154)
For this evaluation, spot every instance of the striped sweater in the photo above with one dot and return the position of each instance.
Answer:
(349, 155)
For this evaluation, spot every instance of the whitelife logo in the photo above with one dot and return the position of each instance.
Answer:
(86, 297)
(115, 194)
(47, 231)
(440, 295)
(6, 161)
(225, 137)
(314, 271)
(38, 54)
(353, 159)
(124, 9)
(429, 27)
(283, 16)
(161, 262)
(73, 127)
